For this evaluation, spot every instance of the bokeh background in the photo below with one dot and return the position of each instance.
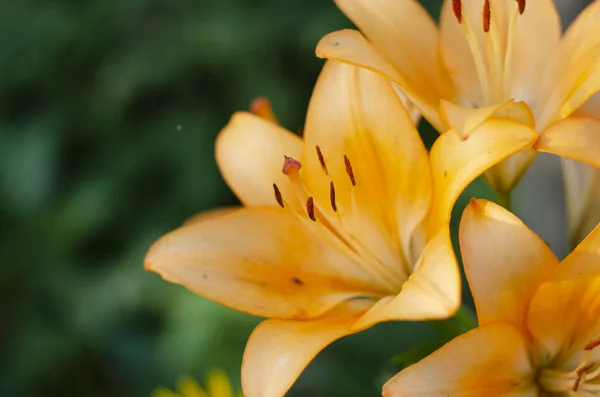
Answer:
(108, 115)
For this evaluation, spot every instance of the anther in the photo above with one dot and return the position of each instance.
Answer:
(322, 160)
(486, 16)
(349, 170)
(593, 344)
(310, 209)
(521, 6)
(278, 196)
(332, 196)
(457, 8)
(290, 164)
(262, 107)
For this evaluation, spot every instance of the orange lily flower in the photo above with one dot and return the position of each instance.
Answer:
(539, 320)
(488, 59)
(352, 231)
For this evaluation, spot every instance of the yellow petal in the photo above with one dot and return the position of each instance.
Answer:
(490, 361)
(217, 384)
(190, 388)
(457, 55)
(432, 291)
(351, 47)
(206, 215)
(356, 112)
(249, 152)
(261, 261)
(278, 351)
(163, 392)
(576, 138)
(504, 261)
(465, 120)
(582, 190)
(573, 75)
(403, 33)
(536, 36)
(456, 162)
(584, 261)
(563, 318)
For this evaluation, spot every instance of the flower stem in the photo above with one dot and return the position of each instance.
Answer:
(504, 199)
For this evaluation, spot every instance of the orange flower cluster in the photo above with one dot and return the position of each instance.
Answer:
(349, 226)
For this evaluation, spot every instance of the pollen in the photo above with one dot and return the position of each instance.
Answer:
(310, 209)
(278, 196)
(332, 196)
(486, 16)
(457, 8)
(322, 160)
(349, 170)
(521, 6)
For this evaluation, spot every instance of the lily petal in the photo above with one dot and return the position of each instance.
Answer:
(504, 262)
(262, 261)
(582, 191)
(573, 76)
(490, 360)
(349, 46)
(537, 33)
(249, 151)
(356, 113)
(563, 318)
(456, 162)
(403, 32)
(576, 138)
(278, 350)
(465, 120)
(432, 291)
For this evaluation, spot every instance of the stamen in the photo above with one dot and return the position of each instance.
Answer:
(278, 196)
(332, 196)
(521, 6)
(486, 16)
(349, 170)
(580, 373)
(457, 8)
(593, 344)
(290, 164)
(261, 106)
(310, 209)
(322, 160)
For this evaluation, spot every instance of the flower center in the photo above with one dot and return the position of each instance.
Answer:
(332, 222)
(584, 380)
(492, 56)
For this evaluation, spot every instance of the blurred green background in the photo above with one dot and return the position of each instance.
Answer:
(108, 115)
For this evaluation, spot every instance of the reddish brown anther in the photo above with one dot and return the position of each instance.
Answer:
(521, 6)
(278, 196)
(310, 209)
(457, 8)
(487, 14)
(322, 160)
(349, 170)
(290, 164)
(592, 345)
(332, 196)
